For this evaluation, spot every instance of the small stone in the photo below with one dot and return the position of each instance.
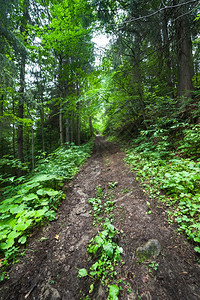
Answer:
(49, 293)
(80, 210)
(151, 249)
(67, 268)
(55, 294)
(86, 215)
(71, 249)
(101, 293)
(132, 296)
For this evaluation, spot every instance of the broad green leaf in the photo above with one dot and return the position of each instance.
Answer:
(41, 192)
(82, 273)
(8, 244)
(197, 249)
(45, 177)
(94, 266)
(30, 197)
(13, 234)
(108, 248)
(113, 292)
(23, 225)
(50, 192)
(91, 288)
(98, 240)
(15, 209)
(40, 213)
(22, 239)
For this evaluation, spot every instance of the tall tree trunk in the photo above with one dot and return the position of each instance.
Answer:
(13, 129)
(33, 150)
(78, 125)
(67, 131)
(61, 126)
(1, 125)
(72, 127)
(168, 67)
(42, 127)
(184, 52)
(23, 29)
(138, 75)
(91, 127)
(21, 109)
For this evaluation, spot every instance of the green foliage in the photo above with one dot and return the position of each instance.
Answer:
(163, 168)
(103, 248)
(65, 161)
(113, 292)
(190, 145)
(82, 273)
(109, 253)
(153, 265)
(37, 198)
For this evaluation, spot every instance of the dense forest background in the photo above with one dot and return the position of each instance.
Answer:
(53, 94)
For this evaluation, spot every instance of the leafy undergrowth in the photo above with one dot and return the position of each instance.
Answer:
(169, 168)
(103, 248)
(36, 199)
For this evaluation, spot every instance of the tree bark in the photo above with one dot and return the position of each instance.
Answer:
(78, 125)
(13, 129)
(166, 42)
(138, 75)
(72, 127)
(184, 52)
(23, 29)
(67, 130)
(21, 110)
(42, 127)
(91, 127)
(33, 149)
(61, 127)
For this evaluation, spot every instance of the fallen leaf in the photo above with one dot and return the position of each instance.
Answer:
(145, 278)
(57, 236)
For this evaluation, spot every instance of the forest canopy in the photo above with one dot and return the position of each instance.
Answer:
(51, 91)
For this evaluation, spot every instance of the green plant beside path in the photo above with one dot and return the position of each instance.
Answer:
(103, 248)
(171, 178)
(37, 198)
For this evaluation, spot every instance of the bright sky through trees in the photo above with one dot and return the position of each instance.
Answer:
(101, 43)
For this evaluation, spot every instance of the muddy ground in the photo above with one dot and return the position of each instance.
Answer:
(56, 252)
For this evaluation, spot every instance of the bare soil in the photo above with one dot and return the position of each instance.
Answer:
(56, 251)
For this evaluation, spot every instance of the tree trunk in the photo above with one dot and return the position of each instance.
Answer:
(61, 127)
(1, 115)
(22, 89)
(21, 110)
(1, 126)
(33, 150)
(91, 127)
(42, 129)
(72, 127)
(184, 52)
(67, 131)
(13, 129)
(42, 123)
(78, 125)
(168, 67)
(138, 75)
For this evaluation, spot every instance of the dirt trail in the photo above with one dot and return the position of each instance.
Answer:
(49, 270)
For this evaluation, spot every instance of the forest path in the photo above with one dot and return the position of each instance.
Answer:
(56, 252)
